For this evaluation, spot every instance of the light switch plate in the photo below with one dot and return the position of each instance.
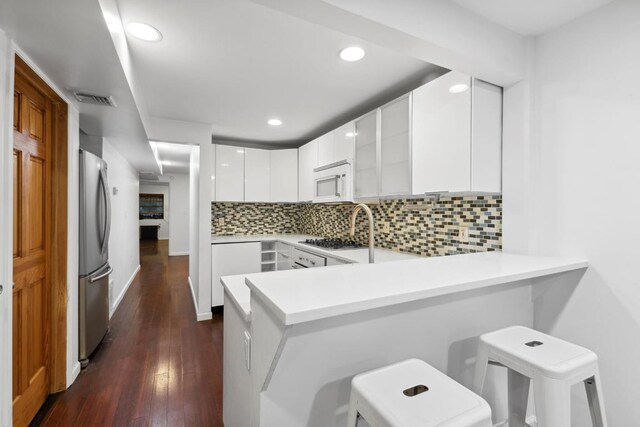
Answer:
(221, 221)
(386, 228)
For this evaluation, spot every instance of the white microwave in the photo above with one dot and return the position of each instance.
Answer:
(333, 183)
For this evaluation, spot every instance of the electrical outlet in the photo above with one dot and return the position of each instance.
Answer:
(220, 221)
(463, 234)
(386, 228)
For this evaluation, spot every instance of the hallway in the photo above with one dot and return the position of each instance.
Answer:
(157, 366)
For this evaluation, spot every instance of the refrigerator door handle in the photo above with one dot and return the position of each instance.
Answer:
(107, 204)
(102, 276)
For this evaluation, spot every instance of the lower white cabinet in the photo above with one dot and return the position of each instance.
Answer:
(284, 175)
(228, 259)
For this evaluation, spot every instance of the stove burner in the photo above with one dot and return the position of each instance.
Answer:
(333, 243)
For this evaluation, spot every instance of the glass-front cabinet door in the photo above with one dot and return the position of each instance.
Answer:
(366, 157)
(395, 147)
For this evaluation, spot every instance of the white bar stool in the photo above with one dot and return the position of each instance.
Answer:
(552, 364)
(412, 393)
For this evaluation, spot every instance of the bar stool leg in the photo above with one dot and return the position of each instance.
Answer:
(518, 398)
(593, 386)
(482, 360)
(553, 402)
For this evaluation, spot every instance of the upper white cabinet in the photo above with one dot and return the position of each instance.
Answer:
(442, 135)
(366, 156)
(255, 175)
(344, 142)
(325, 149)
(307, 161)
(284, 175)
(257, 165)
(395, 147)
(337, 145)
(452, 151)
(486, 149)
(229, 176)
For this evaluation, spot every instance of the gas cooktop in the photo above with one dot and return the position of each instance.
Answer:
(333, 243)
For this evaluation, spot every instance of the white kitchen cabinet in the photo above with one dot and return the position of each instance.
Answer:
(486, 147)
(213, 173)
(395, 147)
(284, 175)
(366, 156)
(229, 173)
(344, 142)
(326, 149)
(442, 135)
(284, 258)
(257, 175)
(307, 162)
(230, 259)
(457, 136)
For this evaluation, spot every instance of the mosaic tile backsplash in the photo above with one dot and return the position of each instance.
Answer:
(429, 231)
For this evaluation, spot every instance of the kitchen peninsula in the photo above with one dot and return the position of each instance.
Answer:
(292, 348)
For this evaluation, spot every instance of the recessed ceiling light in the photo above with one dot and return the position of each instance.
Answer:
(224, 165)
(350, 134)
(459, 88)
(352, 53)
(240, 151)
(275, 122)
(144, 32)
(166, 162)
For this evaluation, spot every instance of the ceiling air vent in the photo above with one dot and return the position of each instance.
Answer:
(93, 98)
(148, 176)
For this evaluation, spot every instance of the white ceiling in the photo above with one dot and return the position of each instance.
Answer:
(531, 17)
(236, 64)
(70, 42)
(177, 155)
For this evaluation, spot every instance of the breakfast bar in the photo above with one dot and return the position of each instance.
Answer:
(299, 337)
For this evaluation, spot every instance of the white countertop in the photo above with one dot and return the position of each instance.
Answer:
(297, 296)
(240, 293)
(350, 255)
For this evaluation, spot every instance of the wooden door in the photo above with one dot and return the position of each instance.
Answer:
(32, 136)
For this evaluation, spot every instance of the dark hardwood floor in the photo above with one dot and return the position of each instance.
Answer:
(157, 366)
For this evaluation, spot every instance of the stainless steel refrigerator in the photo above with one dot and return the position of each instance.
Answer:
(94, 269)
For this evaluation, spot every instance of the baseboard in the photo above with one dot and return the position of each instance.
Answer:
(74, 374)
(178, 253)
(199, 316)
(124, 291)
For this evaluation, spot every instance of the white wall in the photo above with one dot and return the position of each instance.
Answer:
(124, 246)
(159, 188)
(6, 229)
(585, 173)
(194, 212)
(201, 169)
(179, 214)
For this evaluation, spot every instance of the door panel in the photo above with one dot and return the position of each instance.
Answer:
(32, 213)
(35, 208)
(17, 201)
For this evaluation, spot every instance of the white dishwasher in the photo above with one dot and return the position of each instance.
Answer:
(304, 259)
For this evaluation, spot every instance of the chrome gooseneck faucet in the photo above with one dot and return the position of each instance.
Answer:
(352, 230)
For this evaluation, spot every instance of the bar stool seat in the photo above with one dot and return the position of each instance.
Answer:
(554, 365)
(412, 393)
